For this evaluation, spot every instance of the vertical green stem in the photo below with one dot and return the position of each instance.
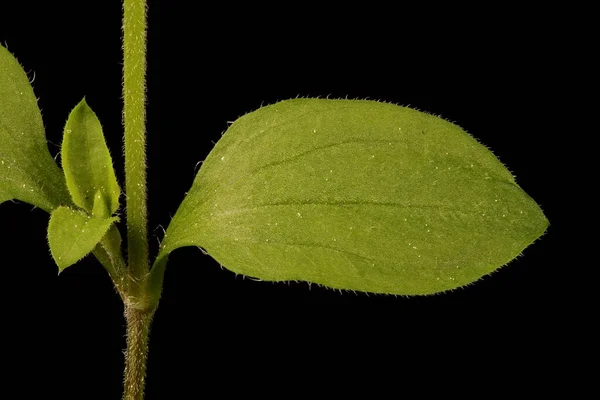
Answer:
(134, 119)
(138, 329)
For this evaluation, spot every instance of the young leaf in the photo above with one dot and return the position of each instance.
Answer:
(27, 170)
(87, 163)
(72, 234)
(356, 195)
(100, 208)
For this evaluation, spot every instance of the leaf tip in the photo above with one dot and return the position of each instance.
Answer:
(60, 263)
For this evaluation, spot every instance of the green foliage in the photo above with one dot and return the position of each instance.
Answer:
(87, 164)
(72, 234)
(357, 195)
(27, 170)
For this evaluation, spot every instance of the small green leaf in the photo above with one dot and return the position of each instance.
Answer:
(27, 170)
(72, 234)
(356, 195)
(100, 208)
(87, 163)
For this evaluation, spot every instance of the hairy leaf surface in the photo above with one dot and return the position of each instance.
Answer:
(72, 234)
(357, 195)
(27, 170)
(87, 163)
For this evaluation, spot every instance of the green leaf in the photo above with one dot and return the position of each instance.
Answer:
(356, 195)
(27, 170)
(72, 234)
(100, 208)
(88, 165)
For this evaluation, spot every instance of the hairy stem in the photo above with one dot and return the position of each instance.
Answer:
(136, 355)
(134, 120)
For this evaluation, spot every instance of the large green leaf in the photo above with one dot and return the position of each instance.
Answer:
(357, 195)
(27, 170)
(72, 234)
(87, 163)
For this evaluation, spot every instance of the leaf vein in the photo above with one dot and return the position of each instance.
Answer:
(335, 204)
(324, 147)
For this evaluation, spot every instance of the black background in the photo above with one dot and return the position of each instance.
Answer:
(493, 75)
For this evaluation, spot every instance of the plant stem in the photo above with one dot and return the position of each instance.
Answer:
(138, 329)
(134, 120)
